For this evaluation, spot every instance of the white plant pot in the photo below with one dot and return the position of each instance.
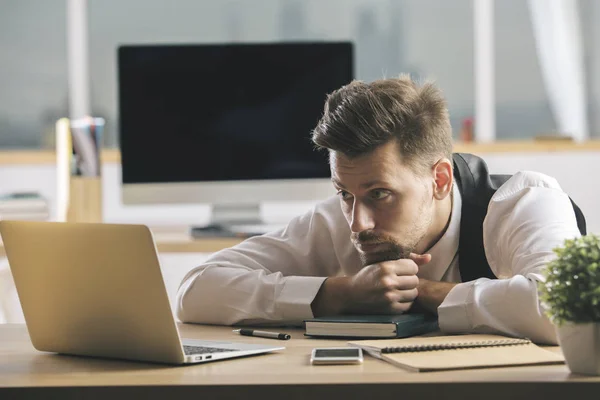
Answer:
(580, 344)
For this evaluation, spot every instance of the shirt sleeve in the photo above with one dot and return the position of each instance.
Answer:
(527, 217)
(269, 279)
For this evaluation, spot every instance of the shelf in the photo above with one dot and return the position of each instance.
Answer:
(108, 156)
(208, 245)
(547, 145)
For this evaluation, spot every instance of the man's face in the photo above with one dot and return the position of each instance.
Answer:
(388, 206)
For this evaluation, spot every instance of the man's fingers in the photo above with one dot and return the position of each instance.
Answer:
(403, 267)
(399, 282)
(406, 282)
(400, 307)
(401, 296)
(420, 259)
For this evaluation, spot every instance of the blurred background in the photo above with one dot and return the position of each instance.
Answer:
(431, 39)
(515, 70)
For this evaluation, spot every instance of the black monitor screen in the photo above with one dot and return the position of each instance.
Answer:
(192, 113)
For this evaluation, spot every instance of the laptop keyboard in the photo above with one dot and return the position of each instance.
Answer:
(189, 350)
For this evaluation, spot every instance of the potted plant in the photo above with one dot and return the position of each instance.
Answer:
(571, 298)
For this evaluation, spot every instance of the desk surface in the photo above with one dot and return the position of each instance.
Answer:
(23, 370)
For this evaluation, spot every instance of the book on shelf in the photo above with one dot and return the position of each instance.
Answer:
(439, 353)
(23, 206)
(372, 326)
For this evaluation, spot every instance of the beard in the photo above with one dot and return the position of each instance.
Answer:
(383, 256)
(391, 247)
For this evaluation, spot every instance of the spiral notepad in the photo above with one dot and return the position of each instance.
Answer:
(454, 345)
(459, 351)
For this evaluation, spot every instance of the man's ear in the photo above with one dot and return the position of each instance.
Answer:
(443, 178)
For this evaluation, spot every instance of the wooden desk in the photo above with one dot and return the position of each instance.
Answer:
(287, 375)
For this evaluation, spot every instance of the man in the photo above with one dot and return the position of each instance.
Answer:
(412, 226)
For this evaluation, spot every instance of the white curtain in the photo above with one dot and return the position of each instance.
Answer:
(557, 32)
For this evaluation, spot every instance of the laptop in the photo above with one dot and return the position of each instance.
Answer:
(97, 290)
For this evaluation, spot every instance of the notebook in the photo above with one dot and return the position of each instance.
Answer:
(458, 352)
(371, 326)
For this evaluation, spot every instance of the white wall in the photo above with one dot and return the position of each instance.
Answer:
(573, 170)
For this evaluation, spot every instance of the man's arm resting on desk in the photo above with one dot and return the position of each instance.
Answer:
(227, 295)
(527, 217)
(272, 278)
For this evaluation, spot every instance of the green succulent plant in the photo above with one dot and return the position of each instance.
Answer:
(571, 292)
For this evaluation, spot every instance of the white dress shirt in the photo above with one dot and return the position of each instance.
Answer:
(273, 279)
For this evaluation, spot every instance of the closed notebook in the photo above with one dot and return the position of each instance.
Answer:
(458, 352)
(371, 326)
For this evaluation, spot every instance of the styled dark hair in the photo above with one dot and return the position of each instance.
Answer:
(360, 117)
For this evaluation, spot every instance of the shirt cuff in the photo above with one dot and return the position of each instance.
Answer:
(294, 301)
(453, 313)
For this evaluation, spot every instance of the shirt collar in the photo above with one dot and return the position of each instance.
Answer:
(443, 252)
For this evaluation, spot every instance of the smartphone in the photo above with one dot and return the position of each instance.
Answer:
(336, 355)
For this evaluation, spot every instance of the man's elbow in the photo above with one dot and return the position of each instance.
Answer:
(536, 323)
(530, 319)
(181, 305)
(190, 304)
(200, 304)
(542, 331)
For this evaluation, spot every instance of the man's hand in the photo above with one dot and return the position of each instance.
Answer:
(386, 287)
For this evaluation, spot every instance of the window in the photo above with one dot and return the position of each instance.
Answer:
(522, 109)
(427, 38)
(430, 39)
(33, 72)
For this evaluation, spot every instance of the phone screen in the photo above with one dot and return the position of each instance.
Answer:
(337, 352)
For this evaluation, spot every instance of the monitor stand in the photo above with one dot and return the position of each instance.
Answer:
(236, 214)
(232, 220)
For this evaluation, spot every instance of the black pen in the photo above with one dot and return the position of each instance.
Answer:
(263, 334)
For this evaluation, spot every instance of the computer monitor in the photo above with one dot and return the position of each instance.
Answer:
(226, 124)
